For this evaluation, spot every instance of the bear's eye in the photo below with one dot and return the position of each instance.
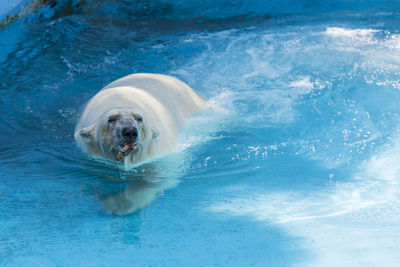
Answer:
(113, 118)
(138, 118)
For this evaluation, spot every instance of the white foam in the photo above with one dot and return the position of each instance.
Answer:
(303, 83)
(261, 66)
(360, 34)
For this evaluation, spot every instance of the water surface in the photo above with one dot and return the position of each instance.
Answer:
(293, 162)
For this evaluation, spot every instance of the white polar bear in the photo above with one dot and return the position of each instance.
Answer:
(143, 112)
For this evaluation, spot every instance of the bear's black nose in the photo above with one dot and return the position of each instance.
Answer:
(130, 133)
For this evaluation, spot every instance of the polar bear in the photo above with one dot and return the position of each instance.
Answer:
(136, 118)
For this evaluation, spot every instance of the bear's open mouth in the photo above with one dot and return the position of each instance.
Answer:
(127, 148)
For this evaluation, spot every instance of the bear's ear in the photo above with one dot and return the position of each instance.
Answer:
(87, 133)
(155, 132)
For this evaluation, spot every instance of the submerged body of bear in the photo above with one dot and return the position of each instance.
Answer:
(140, 115)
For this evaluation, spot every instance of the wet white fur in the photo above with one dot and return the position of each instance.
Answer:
(164, 103)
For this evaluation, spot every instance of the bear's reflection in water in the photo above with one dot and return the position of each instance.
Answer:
(138, 194)
(138, 187)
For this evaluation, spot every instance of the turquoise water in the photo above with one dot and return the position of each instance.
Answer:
(295, 160)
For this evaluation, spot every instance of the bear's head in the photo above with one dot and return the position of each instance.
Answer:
(115, 129)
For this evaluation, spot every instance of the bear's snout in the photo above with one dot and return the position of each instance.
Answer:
(129, 134)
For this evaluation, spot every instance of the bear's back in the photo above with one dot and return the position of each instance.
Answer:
(173, 94)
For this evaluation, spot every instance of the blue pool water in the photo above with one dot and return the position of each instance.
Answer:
(295, 160)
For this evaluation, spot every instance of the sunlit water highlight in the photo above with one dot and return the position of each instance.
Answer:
(295, 160)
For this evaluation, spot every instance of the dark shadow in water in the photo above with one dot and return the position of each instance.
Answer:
(124, 192)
